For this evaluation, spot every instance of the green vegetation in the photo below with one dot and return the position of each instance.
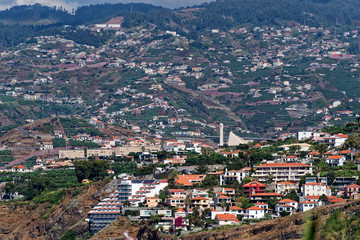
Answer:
(342, 226)
(91, 169)
(83, 144)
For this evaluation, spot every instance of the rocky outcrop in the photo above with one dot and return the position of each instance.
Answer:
(44, 221)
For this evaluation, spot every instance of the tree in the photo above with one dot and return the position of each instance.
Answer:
(294, 149)
(209, 181)
(352, 142)
(202, 167)
(223, 205)
(321, 148)
(10, 188)
(272, 202)
(330, 177)
(292, 195)
(92, 169)
(126, 204)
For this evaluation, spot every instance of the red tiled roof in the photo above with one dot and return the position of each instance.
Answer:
(287, 201)
(186, 180)
(255, 208)
(199, 198)
(227, 217)
(176, 190)
(335, 157)
(235, 208)
(251, 184)
(308, 202)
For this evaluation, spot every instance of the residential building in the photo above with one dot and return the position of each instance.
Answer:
(200, 202)
(233, 175)
(189, 180)
(105, 212)
(222, 198)
(284, 187)
(254, 213)
(253, 187)
(152, 201)
(199, 193)
(176, 193)
(336, 161)
(147, 213)
(177, 202)
(135, 191)
(282, 171)
(307, 205)
(226, 219)
(351, 190)
(263, 197)
(315, 189)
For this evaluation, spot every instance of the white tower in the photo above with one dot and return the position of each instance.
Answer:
(221, 134)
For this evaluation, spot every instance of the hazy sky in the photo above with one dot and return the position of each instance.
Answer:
(71, 4)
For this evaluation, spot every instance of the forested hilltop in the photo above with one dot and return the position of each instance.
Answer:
(21, 22)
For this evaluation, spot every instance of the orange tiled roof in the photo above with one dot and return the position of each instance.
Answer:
(227, 217)
(250, 184)
(235, 208)
(255, 208)
(308, 202)
(186, 180)
(199, 198)
(335, 157)
(287, 201)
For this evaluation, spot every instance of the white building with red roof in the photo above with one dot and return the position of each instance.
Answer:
(285, 187)
(315, 189)
(336, 161)
(307, 205)
(254, 213)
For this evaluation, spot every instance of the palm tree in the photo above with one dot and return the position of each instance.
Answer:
(223, 205)
(187, 203)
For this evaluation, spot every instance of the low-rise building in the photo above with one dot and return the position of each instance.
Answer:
(307, 205)
(200, 203)
(282, 171)
(351, 190)
(176, 193)
(189, 180)
(336, 161)
(233, 175)
(284, 187)
(254, 213)
(177, 202)
(315, 189)
(226, 219)
(253, 187)
(152, 201)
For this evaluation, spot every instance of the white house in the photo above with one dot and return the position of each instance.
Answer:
(254, 213)
(335, 161)
(284, 187)
(233, 175)
(307, 205)
(315, 189)
(226, 219)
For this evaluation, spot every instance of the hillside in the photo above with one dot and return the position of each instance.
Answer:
(291, 227)
(46, 220)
